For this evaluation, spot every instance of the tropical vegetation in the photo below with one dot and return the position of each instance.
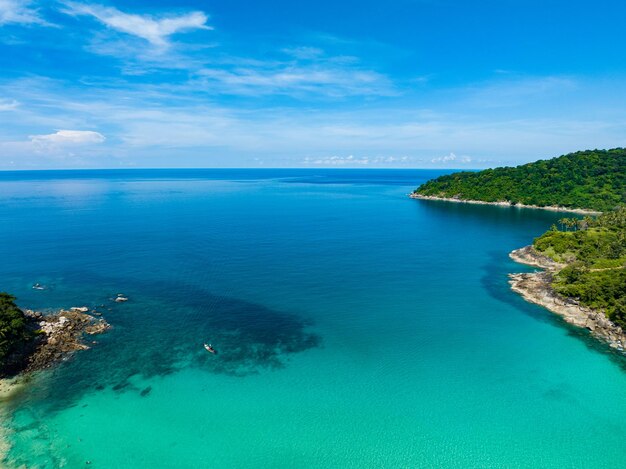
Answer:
(592, 179)
(593, 252)
(14, 330)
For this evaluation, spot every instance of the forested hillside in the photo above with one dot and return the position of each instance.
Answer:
(593, 179)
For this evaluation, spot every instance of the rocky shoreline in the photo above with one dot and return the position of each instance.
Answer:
(551, 208)
(537, 288)
(57, 336)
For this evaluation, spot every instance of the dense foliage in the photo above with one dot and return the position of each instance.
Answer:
(594, 252)
(13, 326)
(594, 179)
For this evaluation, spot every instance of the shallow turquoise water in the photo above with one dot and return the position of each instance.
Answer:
(357, 327)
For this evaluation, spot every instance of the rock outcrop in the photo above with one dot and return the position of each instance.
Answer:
(552, 208)
(57, 336)
(536, 287)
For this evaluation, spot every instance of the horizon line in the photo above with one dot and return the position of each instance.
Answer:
(236, 168)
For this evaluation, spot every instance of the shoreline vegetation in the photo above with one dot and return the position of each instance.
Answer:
(31, 341)
(536, 287)
(583, 276)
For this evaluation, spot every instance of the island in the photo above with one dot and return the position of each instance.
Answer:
(582, 259)
(31, 341)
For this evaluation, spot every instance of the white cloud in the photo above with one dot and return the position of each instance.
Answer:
(154, 30)
(19, 12)
(64, 138)
(337, 161)
(452, 158)
(352, 160)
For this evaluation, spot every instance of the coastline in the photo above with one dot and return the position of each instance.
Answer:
(59, 335)
(552, 208)
(536, 288)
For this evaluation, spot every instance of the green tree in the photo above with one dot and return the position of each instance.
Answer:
(595, 273)
(13, 326)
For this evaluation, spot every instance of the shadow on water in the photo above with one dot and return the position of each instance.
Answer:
(492, 215)
(495, 281)
(162, 329)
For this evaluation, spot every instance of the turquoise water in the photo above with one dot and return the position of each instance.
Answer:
(357, 327)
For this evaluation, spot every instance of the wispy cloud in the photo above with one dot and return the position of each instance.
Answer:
(304, 52)
(295, 79)
(299, 71)
(8, 104)
(145, 45)
(518, 90)
(156, 125)
(155, 30)
(19, 12)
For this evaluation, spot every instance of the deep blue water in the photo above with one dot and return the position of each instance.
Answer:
(356, 327)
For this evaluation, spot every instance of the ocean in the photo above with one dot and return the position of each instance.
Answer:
(355, 327)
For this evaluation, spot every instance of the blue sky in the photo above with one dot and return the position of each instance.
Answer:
(233, 83)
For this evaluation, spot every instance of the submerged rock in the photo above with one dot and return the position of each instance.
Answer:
(98, 328)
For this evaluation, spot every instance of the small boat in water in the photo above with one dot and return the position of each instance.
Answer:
(209, 348)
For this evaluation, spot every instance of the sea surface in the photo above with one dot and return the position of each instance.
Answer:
(355, 327)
